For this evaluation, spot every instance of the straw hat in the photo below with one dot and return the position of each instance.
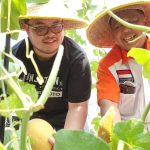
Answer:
(53, 10)
(99, 33)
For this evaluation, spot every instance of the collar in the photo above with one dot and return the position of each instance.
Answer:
(124, 52)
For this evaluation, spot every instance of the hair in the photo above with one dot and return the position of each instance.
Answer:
(25, 21)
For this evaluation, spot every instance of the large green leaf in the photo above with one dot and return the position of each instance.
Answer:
(126, 130)
(13, 101)
(143, 140)
(30, 90)
(17, 7)
(78, 140)
(132, 132)
(142, 57)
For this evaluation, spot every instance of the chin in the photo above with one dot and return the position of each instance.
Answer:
(128, 46)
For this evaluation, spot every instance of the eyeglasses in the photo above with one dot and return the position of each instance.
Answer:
(43, 30)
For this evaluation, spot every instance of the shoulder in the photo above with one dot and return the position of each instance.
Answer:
(111, 58)
(72, 49)
(16, 48)
(71, 45)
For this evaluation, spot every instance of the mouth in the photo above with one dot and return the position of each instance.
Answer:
(48, 41)
(130, 38)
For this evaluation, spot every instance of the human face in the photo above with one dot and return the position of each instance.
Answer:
(125, 37)
(45, 43)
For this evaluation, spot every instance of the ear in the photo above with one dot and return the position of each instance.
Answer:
(24, 26)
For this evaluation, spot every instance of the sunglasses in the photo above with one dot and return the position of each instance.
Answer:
(43, 30)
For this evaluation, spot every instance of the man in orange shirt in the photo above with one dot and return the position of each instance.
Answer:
(120, 83)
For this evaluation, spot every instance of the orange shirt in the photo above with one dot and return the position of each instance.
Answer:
(107, 85)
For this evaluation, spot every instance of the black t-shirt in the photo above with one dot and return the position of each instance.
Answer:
(73, 82)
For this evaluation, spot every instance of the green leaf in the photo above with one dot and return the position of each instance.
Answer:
(30, 90)
(10, 138)
(8, 135)
(17, 8)
(13, 67)
(140, 55)
(2, 146)
(143, 140)
(146, 70)
(132, 132)
(114, 141)
(93, 65)
(126, 130)
(12, 102)
(95, 122)
(93, 85)
(96, 52)
(74, 35)
(138, 148)
(78, 140)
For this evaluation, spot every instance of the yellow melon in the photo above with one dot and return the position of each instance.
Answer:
(40, 131)
(106, 125)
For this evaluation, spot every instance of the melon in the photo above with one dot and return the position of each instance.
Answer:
(39, 132)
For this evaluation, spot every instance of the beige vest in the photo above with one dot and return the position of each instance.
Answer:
(133, 105)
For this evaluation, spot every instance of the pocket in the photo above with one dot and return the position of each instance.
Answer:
(127, 87)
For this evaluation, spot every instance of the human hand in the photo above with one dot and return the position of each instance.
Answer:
(52, 142)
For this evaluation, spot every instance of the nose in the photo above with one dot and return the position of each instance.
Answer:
(126, 29)
(50, 33)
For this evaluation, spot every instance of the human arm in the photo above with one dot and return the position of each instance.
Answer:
(105, 105)
(76, 116)
(78, 89)
(108, 91)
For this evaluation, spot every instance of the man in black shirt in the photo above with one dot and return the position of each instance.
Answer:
(67, 104)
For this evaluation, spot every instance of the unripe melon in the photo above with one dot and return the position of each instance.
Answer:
(39, 131)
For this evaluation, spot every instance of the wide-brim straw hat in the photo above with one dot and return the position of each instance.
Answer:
(99, 33)
(53, 10)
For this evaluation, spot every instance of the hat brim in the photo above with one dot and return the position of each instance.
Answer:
(99, 33)
(52, 10)
(69, 23)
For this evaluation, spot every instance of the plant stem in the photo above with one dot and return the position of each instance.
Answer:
(24, 130)
(52, 77)
(129, 25)
(9, 11)
(16, 88)
(30, 56)
(146, 111)
(120, 145)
